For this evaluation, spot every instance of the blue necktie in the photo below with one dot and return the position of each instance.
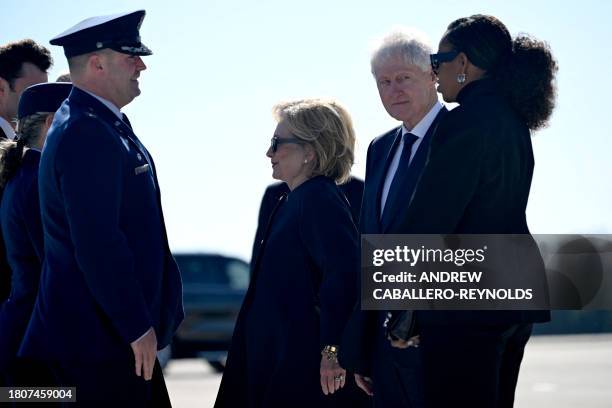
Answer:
(126, 120)
(400, 174)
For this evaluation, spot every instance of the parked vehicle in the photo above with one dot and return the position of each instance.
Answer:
(213, 289)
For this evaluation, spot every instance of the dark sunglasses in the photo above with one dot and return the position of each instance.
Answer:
(439, 58)
(275, 141)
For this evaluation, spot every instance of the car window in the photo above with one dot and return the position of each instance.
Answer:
(213, 270)
(203, 270)
(238, 273)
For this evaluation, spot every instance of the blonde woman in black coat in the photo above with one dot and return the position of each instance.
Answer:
(304, 282)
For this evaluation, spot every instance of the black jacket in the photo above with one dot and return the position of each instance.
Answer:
(358, 340)
(352, 189)
(299, 299)
(476, 181)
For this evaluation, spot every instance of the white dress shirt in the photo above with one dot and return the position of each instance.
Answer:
(419, 131)
(7, 128)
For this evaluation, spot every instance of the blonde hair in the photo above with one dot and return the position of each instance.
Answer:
(327, 127)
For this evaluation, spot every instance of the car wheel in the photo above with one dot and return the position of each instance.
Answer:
(219, 366)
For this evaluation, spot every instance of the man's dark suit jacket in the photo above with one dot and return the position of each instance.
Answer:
(357, 347)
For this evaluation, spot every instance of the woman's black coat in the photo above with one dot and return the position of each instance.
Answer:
(301, 294)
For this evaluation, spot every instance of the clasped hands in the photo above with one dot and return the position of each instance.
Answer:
(414, 341)
(365, 383)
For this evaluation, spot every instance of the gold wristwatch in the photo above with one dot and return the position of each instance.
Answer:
(330, 351)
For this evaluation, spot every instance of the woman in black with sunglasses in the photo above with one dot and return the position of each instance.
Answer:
(304, 284)
(477, 181)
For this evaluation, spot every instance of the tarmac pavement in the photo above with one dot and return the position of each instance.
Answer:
(557, 372)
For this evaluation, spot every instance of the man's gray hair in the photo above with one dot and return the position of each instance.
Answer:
(409, 44)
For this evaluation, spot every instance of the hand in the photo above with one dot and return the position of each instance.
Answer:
(145, 353)
(402, 344)
(333, 377)
(365, 383)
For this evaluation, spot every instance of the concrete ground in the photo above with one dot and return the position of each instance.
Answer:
(558, 371)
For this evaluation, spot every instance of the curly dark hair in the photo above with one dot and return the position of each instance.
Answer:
(524, 68)
(14, 54)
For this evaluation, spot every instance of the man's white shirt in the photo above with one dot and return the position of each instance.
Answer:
(7, 128)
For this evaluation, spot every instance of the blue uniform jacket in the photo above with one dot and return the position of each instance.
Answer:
(5, 271)
(22, 229)
(108, 273)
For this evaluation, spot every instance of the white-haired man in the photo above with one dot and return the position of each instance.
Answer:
(407, 88)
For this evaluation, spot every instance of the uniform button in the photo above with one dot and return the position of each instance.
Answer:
(139, 156)
(117, 123)
(261, 242)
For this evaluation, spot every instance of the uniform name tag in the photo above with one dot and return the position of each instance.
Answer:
(141, 169)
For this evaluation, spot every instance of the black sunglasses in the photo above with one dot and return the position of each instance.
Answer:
(439, 58)
(275, 141)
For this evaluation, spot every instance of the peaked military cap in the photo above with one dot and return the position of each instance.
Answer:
(119, 32)
(45, 97)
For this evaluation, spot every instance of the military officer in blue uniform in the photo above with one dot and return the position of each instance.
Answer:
(110, 293)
